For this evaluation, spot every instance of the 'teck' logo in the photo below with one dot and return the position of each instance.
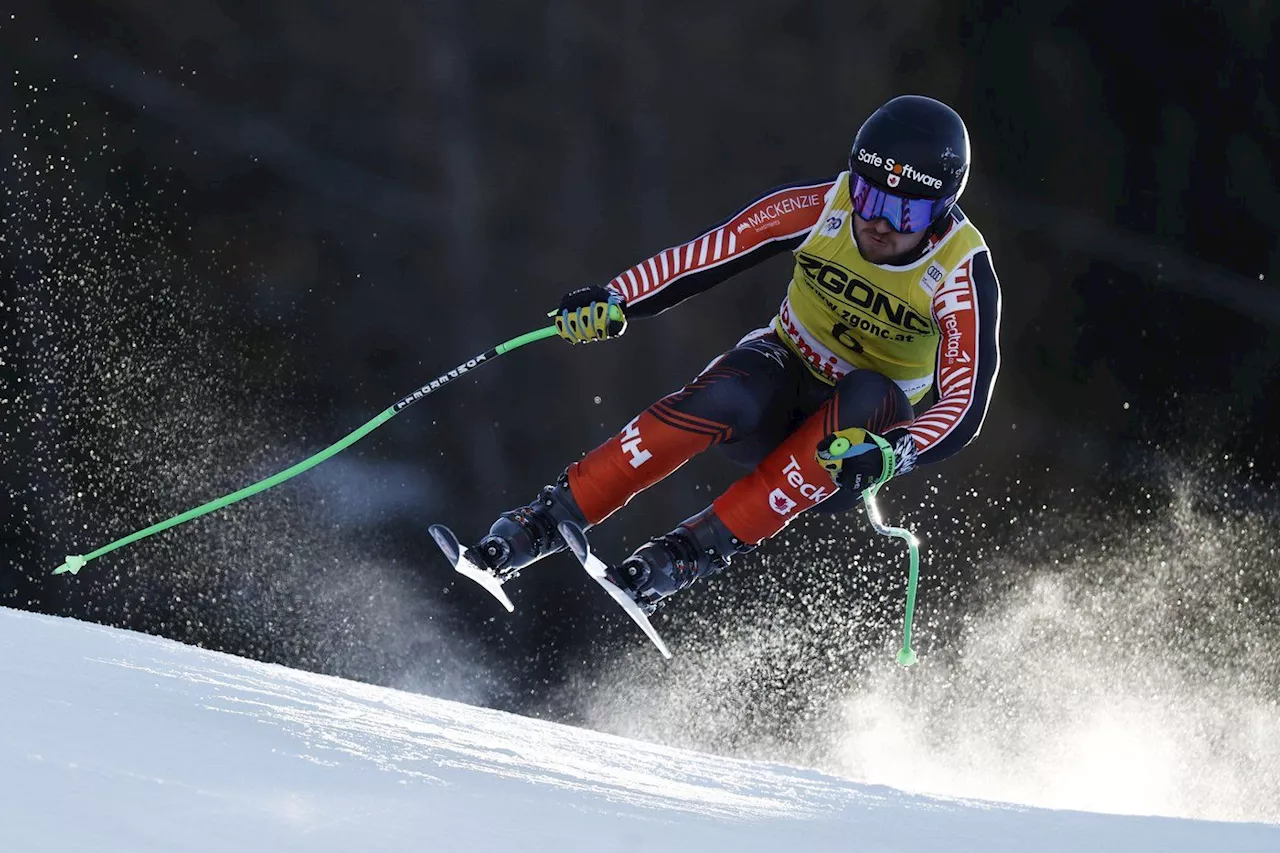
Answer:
(796, 479)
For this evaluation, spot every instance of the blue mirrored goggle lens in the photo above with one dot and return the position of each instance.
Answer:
(907, 215)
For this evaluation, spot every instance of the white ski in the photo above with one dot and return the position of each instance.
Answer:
(577, 541)
(467, 566)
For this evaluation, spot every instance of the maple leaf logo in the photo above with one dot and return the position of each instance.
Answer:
(780, 502)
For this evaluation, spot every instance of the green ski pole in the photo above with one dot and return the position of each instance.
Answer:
(841, 446)
(74, 564)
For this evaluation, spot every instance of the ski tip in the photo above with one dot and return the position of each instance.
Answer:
(575, 539)
(446, 541)
(467, 565)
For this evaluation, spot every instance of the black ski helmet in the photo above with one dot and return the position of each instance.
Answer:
(914, 146)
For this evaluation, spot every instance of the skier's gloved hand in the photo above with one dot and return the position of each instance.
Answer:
(855, 461)
(590, 314)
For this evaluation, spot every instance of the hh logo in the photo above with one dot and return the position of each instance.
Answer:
(956, 294)
(631, 444)
(780, 502)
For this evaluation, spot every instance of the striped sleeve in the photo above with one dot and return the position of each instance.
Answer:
(777, 221)
(967, 310)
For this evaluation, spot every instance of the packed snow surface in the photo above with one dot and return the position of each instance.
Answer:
(116, 741)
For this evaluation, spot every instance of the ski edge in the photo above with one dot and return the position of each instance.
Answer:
(463, 564)
(578, 544)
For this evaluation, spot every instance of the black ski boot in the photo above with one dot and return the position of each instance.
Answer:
(526, 534)
(699, 547)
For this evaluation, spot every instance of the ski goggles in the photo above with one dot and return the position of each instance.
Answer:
(904, 214)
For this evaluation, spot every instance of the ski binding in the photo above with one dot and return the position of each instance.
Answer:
(468, 566)
(577, 541)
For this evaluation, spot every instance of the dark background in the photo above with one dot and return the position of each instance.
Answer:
(233, 232)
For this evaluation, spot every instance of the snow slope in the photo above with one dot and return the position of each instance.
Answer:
(115, 741)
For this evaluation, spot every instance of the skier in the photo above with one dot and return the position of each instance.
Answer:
(892, 295)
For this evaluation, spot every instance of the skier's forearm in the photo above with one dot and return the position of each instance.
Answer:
(777, 221)
(967, 309)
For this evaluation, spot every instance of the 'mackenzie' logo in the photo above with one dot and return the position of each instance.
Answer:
(766, 214)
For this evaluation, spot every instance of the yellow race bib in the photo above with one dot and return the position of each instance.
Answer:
(843, 313)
